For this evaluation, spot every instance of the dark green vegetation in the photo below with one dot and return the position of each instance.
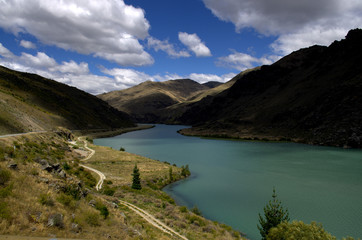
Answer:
(29, 102)
(312, 96)
(136, 180)
(274, 214)
(275, 225)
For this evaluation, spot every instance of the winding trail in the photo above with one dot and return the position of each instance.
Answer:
(144, 214)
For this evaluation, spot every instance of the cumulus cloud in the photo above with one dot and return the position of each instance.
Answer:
(27, 44)
(108, 29)
(4, 52)
(296, 23)
(242, 61)
(203, 78)
(167, 47)
(194, 43)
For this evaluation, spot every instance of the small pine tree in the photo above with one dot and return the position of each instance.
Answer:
(185, 171)
(136, 182)
(274, 214)
(170, 174)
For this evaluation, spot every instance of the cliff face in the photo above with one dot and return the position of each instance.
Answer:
(313, 95)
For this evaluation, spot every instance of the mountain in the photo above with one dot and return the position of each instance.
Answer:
(313, 95)
(144, 101)
(212, 84)
(29, 102)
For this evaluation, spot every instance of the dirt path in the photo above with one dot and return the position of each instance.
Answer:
(144, 214)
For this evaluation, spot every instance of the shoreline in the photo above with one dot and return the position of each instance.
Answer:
(104, 133)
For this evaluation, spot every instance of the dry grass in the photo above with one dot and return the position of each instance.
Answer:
(32, 195)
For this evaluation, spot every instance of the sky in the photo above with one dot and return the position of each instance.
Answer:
(105, 45)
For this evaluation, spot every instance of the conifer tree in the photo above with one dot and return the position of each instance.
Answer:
(136, 182)
(274, 214)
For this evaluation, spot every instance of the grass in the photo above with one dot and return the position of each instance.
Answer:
(44, 194)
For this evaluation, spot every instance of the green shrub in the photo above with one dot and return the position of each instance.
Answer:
(6, 191)
(45, 199)
(196, 210)
(299, 230)
(183, 209)
(122, 149)
(108, 190)
(66, 200)
(102, 209)
(92, 219)
(4, 211)
(5, 176)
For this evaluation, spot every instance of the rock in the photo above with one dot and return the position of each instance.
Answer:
(75, 228)
(56, 167)
(44, 180)
(56, 220)
(62, 174)
(45, 165)
(13, 165)
(92, 203)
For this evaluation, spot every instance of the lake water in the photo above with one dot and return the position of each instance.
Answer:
(232, 181)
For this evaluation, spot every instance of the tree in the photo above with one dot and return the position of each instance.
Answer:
(274, 214)
(170, 174)
(299, 230)
(136, 182)
(185, 171)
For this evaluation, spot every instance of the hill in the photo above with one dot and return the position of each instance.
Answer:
(29, 102)
(313, 96)
(145, 101)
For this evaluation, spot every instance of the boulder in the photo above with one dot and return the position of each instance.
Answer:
(56, 220)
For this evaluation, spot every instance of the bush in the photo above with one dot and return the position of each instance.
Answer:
(183, 209)
(122, 149)
(5, 176)
(102, 209)
(45, 199)
(4, 211)
(196, 211)
(6, 191)
(92, 219)
(108, 190)
(299, 230)
(66, 200)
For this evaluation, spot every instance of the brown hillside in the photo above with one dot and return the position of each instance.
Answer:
(313, 95)
(29, 102)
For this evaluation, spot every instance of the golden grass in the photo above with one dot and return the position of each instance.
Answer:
(32, 199)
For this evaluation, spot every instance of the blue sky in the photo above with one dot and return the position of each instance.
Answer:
(101, 46)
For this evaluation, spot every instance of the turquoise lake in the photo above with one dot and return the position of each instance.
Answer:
(232, 181)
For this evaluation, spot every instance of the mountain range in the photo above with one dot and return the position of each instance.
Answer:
(312, 95)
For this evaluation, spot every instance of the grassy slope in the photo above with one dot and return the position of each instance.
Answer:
(313, 95)
(29, 102)
(43, 194)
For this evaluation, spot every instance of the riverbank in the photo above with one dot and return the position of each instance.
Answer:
(103, 133)
(246, 135)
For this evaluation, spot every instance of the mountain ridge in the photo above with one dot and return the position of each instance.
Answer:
(310, 96)
(30, 102)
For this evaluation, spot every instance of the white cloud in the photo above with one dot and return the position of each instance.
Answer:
(242, 61)
(4, 52)
(78, 74)
(193, 42)
(203, 78)
(109, 28)
(27, 44)
(296, 23)
(166, 47)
